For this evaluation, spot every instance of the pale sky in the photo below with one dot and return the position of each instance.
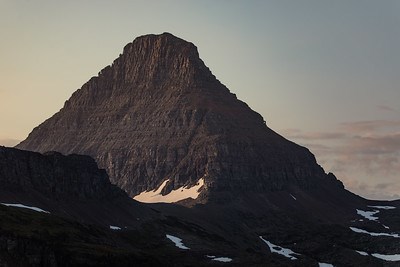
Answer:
(324, 74)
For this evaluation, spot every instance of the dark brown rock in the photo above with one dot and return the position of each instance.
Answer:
(159, 113)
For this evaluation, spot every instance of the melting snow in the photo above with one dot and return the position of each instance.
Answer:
(293, 197)
(280, 250)
(222, 259)
(362, 253)
(383, 207)
(394, 257)
(25, 207)
(177, 241)
(321, 264)
(368, 214)
(181, 193)
(115, 227)
(361, 231)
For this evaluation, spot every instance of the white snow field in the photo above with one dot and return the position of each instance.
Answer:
(288, 253)
(115, 227)
(177, 241)
(383, 207)
(322, 264)
(361, 231)
(24, 207)
(362, 253)
(393, 257)
(181, 193)
(369, 215)
(222, 259)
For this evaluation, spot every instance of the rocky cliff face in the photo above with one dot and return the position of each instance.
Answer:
(158, 113)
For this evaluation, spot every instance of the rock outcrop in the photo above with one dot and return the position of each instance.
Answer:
(53, 175)
(70, 186)
(159, 113)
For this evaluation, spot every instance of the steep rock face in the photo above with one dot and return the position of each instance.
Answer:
(158, 113)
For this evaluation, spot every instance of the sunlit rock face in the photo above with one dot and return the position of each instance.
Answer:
(157, 113)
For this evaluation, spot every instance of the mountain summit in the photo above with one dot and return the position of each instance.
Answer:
(158, 120)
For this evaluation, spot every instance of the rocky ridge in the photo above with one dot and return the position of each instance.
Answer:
(54, 175)
(70, 186)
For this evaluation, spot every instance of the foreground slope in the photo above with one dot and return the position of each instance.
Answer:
(71, 186)
(60, 210)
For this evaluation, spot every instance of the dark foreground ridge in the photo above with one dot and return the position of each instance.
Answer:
(73, 216)
(158, 113)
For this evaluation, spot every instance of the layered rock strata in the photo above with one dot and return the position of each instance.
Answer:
(158, 113)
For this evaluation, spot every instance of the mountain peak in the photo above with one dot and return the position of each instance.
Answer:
(157, 114)
(157, 59)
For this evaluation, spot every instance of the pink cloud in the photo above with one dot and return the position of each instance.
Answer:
(365, 155)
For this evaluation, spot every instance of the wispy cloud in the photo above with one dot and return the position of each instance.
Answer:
(361, 127)
(312, 136)
(365, 155)
(386, 108)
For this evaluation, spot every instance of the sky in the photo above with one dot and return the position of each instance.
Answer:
(324, 74)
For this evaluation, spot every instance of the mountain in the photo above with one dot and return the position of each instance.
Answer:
(166, 130)
(158, 113)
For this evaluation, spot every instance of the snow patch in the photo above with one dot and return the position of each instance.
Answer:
(361, 231)
(115, 227)
(387, 227)
(368, 214)
(293, 197)
(288, 253)
(322, 264)
(181, 193)
(394, 257)
(383, 207)
(222, 259)
(362, 253)
(24, 207)
(177, 241)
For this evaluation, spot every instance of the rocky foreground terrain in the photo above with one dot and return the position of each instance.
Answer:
(164, 129)
(86, 227)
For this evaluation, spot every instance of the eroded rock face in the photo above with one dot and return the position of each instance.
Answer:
(159, 113)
